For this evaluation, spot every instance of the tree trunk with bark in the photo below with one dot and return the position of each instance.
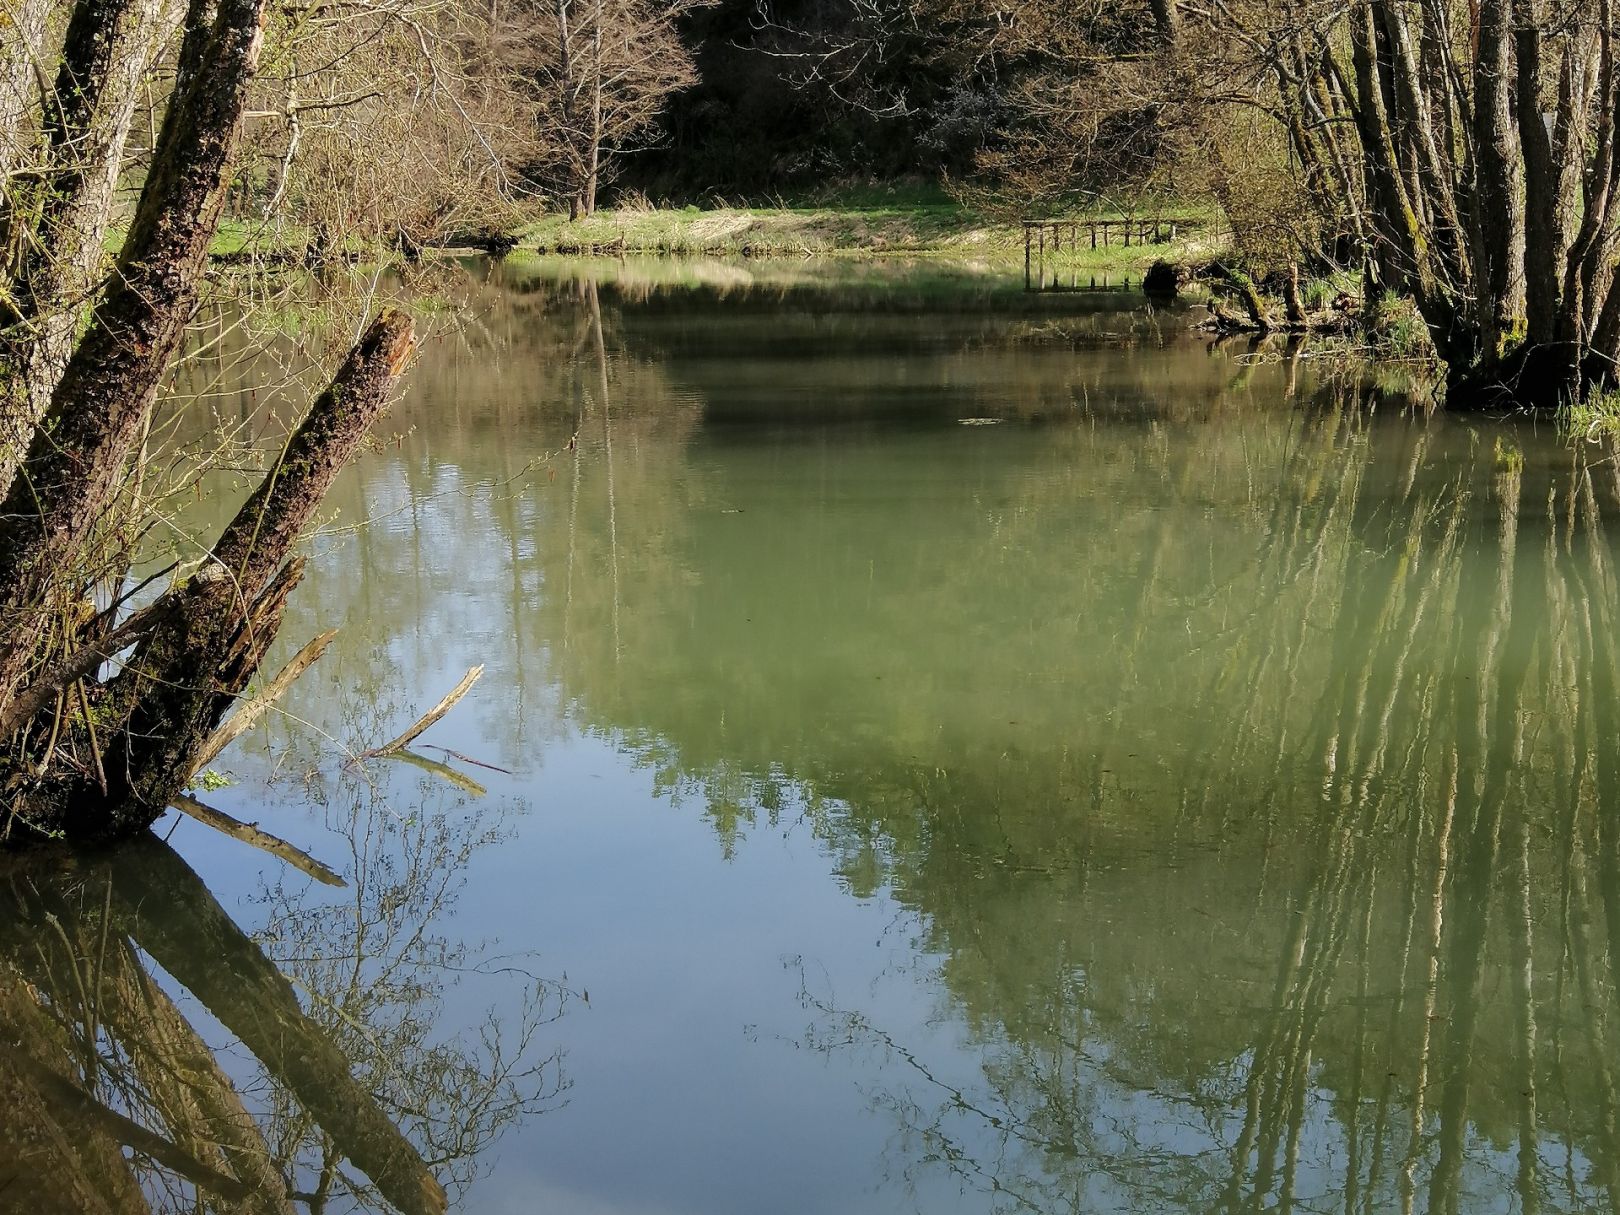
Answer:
(54, 214)
(83, 753)
(21, 50)
(1470, 145)
(205, 637)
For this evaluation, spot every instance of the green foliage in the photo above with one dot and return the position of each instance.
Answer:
(1596, 416)
(211, 780)
(1319, 293)
(1398, 330)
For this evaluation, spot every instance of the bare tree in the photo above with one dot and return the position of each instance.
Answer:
(601, 72)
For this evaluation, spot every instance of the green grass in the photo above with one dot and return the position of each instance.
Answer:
(906, 218)
(1598, 416)
(1399, 330)
(870, 222)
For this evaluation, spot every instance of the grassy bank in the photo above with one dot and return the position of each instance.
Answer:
(869, 226)
(873, 223)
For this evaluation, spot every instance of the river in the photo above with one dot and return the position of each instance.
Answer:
(940, 747)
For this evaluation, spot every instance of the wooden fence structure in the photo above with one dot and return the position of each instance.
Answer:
(1059, 235)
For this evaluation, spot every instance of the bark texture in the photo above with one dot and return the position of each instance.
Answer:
(207, 636)
(54, 215)
(77, 461)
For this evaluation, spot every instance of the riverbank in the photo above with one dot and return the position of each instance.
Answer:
(874, 229)
(876, 223)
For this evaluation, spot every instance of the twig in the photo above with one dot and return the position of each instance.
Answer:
(467, 759)
(252, 836)
(459, 779)
(242, 720)
(431, 716)
(83, 661)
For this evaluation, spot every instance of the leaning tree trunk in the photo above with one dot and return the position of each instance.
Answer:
(75, 465)
(82, 754)
(54, 215)
(196, 647)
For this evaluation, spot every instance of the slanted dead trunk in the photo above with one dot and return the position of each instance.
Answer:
(75, 467)
(83, 752)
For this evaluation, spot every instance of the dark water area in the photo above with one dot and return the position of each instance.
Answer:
(940, 748)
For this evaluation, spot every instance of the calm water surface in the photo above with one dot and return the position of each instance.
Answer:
(964, 751)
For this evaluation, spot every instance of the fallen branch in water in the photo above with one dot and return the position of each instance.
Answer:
(467, 759)
(255, 838)
(428, 718)
(242, 720)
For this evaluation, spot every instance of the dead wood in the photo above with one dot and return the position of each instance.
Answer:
(160, 713)
(244, 718)
(250, 834)
(428, 718)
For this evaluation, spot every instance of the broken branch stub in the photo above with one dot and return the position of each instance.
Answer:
(428, 718)
(244, 718)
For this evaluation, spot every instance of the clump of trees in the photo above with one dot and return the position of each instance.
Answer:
(1468, 151)
(1460, 154)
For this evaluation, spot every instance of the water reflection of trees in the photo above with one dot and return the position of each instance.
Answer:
(354, 1095)
(1244, 769)
(1249, 781)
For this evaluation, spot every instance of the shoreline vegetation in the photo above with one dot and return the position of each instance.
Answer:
(860, 229)
(877, 223)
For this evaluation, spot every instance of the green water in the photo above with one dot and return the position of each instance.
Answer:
(963, 751)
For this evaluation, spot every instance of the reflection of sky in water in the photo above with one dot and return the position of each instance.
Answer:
(926, 809)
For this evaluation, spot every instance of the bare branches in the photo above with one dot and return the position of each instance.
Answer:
(602, 71)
